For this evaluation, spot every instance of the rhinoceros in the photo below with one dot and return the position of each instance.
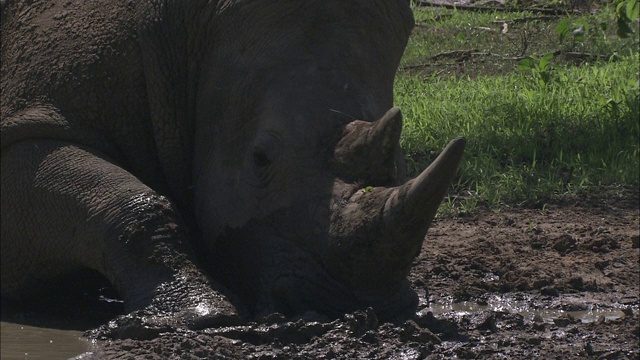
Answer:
(213, 160)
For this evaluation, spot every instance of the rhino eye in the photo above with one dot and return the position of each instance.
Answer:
(263, 158)
(260, 158)
(261, 168)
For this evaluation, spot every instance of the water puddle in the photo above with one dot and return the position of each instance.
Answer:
(21, 341)
(585, 312)
(51, 325)
(30, 342)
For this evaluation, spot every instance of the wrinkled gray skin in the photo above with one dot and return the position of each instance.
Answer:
(141, 139)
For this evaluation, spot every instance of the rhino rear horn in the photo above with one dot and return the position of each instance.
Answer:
(371, 151)
(385, 132)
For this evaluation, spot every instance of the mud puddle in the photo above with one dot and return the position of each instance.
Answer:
(30, 342)
(52, 326)
(535, 311)
(558, 283)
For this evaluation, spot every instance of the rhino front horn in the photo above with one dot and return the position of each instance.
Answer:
(413, 205)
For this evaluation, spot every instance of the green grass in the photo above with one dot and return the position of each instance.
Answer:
(529, 141)
(441, 30)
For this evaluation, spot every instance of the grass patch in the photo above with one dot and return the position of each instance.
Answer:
(534, 136)
(456, 42)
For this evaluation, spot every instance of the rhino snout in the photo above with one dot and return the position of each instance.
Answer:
(378, 231)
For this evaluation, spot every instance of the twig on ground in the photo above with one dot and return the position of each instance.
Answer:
(453, 54)
(527, 18)
(425, 3)
(425, 65)
(484, 28)
(469, 53)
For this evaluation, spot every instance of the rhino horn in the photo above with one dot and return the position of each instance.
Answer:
(382, 229)
(385, 132)
(413, 205)
(376, 141)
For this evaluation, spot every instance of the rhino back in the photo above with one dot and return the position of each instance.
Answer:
(79, 60)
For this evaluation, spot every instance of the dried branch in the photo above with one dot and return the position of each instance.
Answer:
(528, 18)
(574, 56)
(453, 54)
(425, 3)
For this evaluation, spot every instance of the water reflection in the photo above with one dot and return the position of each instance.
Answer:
(50, 326)
(587, 314)
(60, 336)
(30, 342)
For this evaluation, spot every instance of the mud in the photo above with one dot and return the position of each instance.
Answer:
(561, 281)
(558, 282)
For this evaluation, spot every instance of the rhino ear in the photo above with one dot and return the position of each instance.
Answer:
(370, 151)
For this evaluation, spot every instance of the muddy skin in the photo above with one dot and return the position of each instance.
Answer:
(137, 137)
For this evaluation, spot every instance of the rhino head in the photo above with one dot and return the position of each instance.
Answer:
(299, 177)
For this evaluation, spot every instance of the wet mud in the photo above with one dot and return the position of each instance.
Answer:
(558, 282)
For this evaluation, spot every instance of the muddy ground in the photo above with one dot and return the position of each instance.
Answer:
(559, 282)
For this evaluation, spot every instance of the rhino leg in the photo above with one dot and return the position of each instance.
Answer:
(65, 207)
